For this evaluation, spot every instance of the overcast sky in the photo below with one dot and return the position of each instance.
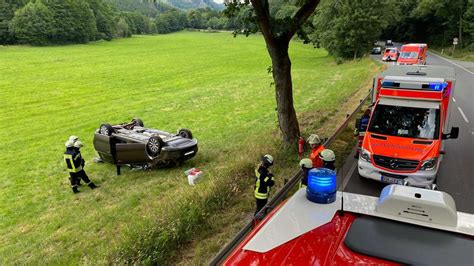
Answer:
(219, 1)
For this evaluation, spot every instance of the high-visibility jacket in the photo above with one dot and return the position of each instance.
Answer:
(73, 160)
(314, 156)
(263, 182)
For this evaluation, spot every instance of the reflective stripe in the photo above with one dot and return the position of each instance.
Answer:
(78, 155)
(70, 164)
(266, 179)
(259, 195)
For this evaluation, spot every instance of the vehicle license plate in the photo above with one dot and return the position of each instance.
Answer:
(391, 180)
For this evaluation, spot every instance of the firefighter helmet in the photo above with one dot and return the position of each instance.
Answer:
(69, 144)
(306, 163)
(73, 138)
(267, 159)
(314, 139)
(78, 144)
(327, 155)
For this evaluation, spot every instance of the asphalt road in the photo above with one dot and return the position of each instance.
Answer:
(456, 174)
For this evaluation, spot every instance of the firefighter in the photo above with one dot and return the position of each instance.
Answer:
(316, 147)
(75, 165)
(263, 181)
(329, 158)
(306, 164)
(360, 130)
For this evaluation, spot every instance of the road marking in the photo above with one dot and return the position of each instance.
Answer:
(347, 177)
(449, 61)
(454, 100)
(463, 115)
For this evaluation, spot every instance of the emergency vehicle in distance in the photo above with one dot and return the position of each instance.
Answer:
(405, 225)
(413, 54)
(404, 140)
(390, 54)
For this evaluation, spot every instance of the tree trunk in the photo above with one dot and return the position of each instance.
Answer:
(281, 65)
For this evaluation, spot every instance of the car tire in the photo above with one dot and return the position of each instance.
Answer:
(106, 129)
(154, 145)
(138, 122)
(185, 133)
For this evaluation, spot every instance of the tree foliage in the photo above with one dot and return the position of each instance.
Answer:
(348, 28)
(435, 22)
(32, 23)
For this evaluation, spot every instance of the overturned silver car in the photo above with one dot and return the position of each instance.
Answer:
(133, 144)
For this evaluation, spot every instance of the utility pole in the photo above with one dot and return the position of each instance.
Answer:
(460, 24)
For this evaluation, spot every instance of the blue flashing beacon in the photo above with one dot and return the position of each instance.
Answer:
(321, 185)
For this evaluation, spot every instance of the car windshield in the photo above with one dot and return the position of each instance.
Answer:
(390, 50)
(409, 122)
(409, 55)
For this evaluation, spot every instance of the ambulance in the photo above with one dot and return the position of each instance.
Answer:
(404, 141)
(413, 54)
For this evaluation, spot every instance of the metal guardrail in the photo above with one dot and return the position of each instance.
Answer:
(280, 195)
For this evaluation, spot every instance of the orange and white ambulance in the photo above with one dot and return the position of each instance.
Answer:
(413, 54)
(409, 122)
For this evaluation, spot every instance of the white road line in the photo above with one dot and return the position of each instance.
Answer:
(463, 115)
(449, 61)
(454, 100)
(347, 177)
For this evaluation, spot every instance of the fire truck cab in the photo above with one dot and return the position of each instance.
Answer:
(413, 54)
(409, 121)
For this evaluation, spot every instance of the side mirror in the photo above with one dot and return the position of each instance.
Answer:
(453, 134)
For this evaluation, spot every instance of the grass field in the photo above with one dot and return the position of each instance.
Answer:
(460, 54)
(212, 83)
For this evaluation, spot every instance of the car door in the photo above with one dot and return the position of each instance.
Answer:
(131, 153)
(103, 146)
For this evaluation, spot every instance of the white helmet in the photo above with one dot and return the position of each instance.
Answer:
(69, 144)
(78, 144)
(267, 159)
(327, 155)
(306, 163)
(314, 139)
(73, 138)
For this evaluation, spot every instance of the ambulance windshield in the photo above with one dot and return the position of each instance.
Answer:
(409, 122)
(409, 55)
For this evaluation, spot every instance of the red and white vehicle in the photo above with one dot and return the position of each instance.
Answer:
(404, 141)
(413, 54)
(405, 225)
(390, 54)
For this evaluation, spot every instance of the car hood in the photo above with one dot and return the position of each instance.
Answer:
(399, 147)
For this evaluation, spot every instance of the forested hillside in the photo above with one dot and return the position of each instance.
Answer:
(43, 22)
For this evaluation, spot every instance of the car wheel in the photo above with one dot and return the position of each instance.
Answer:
(106, 129)
(154, 145)
(185, 133)
(137, 122)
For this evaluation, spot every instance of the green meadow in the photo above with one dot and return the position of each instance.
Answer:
(212, 83)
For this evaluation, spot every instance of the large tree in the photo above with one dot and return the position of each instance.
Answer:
(32, 23)
(277, 28)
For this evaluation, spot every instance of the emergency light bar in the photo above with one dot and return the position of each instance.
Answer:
(416, 83)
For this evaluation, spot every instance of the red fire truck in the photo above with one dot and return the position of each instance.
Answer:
(403, 143)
